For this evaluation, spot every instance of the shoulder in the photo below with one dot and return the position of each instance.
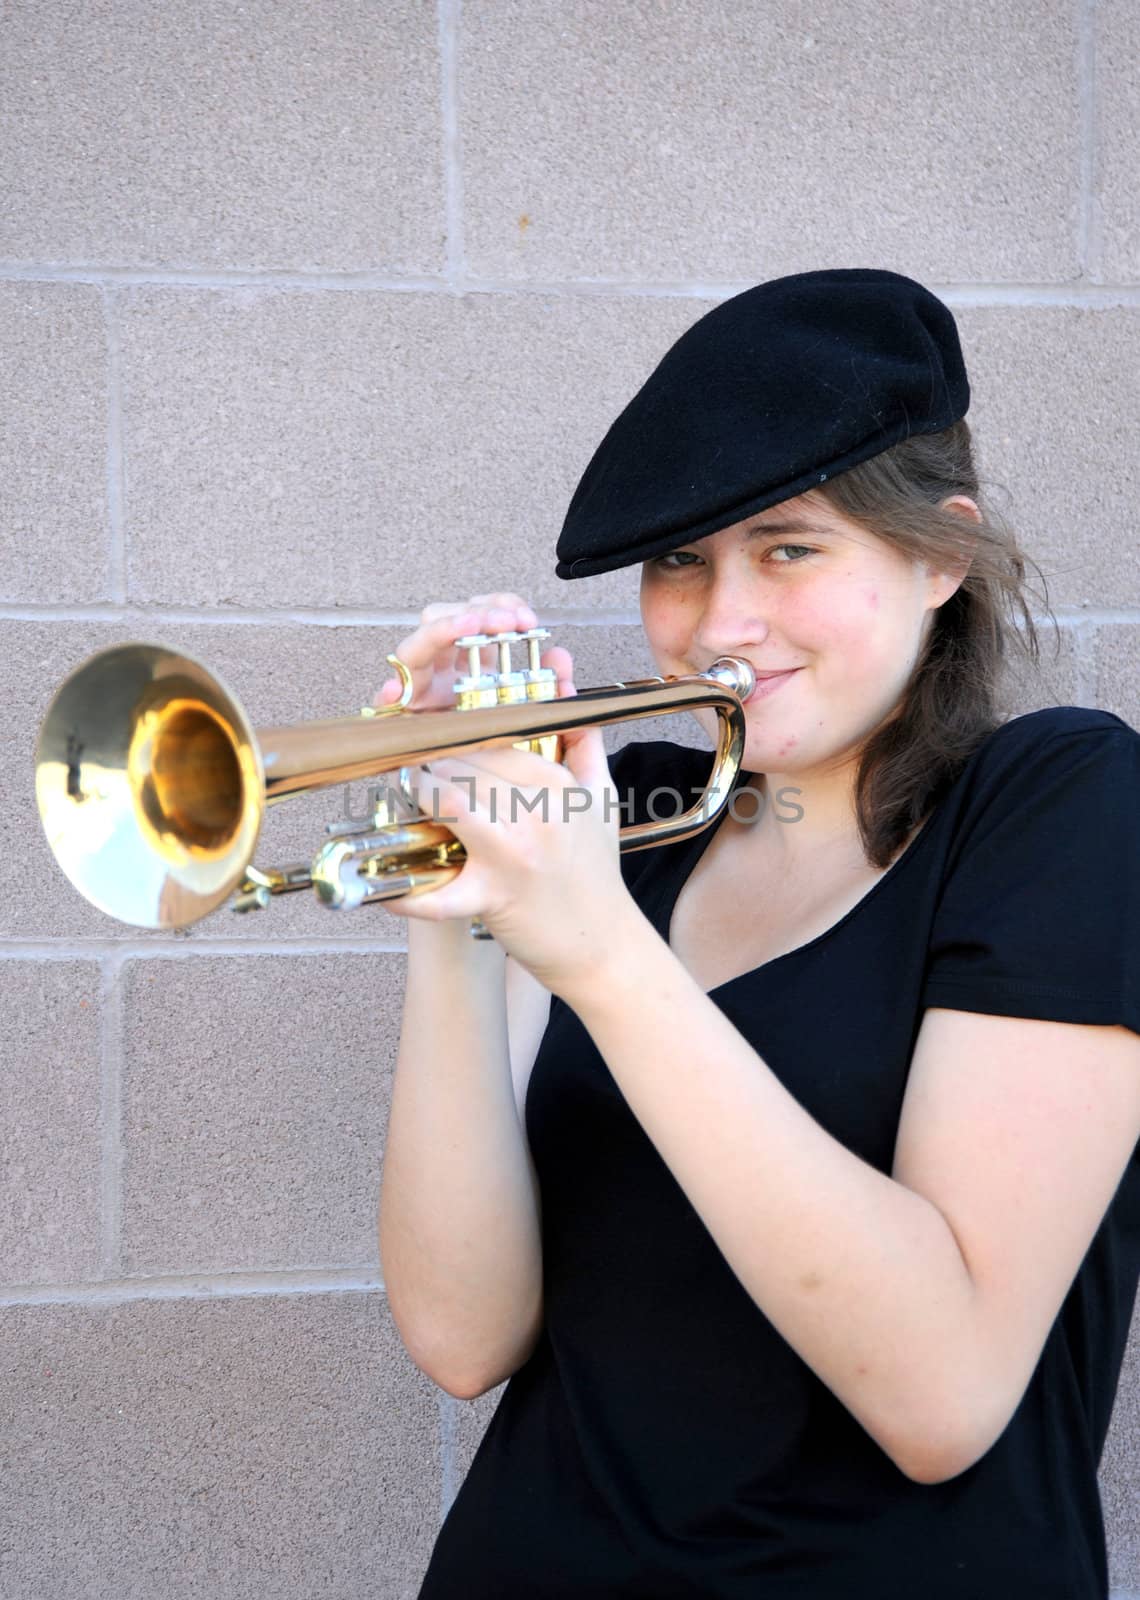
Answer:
(1038, 906)
(1058, 725)
(1066, 752)
(1058, 772)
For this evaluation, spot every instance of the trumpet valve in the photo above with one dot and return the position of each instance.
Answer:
(510, 685)
(506, 685)
(477, 688)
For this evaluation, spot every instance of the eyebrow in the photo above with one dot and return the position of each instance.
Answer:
(761, 530)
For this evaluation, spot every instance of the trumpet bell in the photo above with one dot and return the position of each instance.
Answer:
(150, 786)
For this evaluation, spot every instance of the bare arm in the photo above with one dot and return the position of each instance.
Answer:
(922, 1299)
(460, 1242)
(459, 1225)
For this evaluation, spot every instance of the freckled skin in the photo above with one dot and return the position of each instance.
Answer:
(848, 610)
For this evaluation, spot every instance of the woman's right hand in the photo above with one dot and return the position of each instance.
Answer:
(431, 657)
(430, 654)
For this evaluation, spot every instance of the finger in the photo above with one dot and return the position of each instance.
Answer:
(504, 601)
(584, 757)
(441, 624)
(439, 905)
(435, 634)
(455, 796)
(420, 651)
(388, 691)
(505, 764)
(443, 608)
(468, 795)
(561, 663)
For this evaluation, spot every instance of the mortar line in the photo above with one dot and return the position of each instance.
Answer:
(344, 617)
(1078, 295)
(111, 1118)
(209, 1285)
(177, 949)
(448, 1441)
(117, 547)
(454, 243)
(1084, 659)
(358, 617)
(1089, 233)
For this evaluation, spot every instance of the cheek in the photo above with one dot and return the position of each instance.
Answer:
(850, 624)
(823, 617)
(665, 617)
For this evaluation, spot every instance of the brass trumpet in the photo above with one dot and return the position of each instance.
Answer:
(152, 785)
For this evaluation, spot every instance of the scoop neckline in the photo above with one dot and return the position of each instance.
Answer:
(667, 901)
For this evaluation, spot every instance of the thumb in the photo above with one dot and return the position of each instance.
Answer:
(584, 757)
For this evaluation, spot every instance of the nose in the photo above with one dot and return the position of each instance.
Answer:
(733, 614)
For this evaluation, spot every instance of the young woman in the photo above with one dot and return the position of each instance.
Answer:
(789, 1173)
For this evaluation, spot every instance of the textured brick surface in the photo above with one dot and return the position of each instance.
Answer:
(473, 1418)
(54, 528)
(255, 1103)
(249, 1448)
(1120, 1473)
(283, 450)
(1117, 150)
(262, 136)
(1117, 663)
(1053, 680)
(298, 448)
(50, 1135)
(732, 140)
(1054, 394)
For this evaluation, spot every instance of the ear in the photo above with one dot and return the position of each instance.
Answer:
(946, 583)
(963, 506)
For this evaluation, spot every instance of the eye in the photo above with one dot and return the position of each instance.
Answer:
(803, 550)
(683, 557)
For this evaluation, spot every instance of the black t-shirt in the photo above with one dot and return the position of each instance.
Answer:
(663, 1439)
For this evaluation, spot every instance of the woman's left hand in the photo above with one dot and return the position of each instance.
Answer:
(542, 867)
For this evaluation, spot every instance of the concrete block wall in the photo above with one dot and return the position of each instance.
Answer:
(308, 316)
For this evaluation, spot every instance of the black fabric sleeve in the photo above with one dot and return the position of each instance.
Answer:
(1039, 914)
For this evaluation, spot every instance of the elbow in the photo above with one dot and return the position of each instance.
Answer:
(466, 1390)
(491, 1377)
(468, 1382)
(451, 1383)
(451, 1379)
(966, 1405)
(950, 1445)
(468, 1386)
(932, 1469)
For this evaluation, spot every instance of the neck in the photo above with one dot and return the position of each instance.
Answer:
(802, 820)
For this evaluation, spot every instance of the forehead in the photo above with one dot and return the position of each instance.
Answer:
(805, 513)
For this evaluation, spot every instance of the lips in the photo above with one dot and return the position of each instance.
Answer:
(769, 682)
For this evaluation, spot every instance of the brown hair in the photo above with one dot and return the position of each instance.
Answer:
(949, 704)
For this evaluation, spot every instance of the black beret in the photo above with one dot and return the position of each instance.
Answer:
(766, 396)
